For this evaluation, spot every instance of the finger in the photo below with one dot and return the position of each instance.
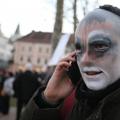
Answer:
(69, 57)
(64, 65)
(72, 54)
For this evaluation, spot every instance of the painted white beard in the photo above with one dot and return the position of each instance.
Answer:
(95, 82)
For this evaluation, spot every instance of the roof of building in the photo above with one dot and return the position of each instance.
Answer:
(16, 35)
(17, 31)
(36, 37)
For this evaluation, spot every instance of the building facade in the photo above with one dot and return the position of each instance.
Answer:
(34, 48)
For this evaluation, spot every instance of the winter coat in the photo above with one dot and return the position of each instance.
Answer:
(108, 108)
(25, 85)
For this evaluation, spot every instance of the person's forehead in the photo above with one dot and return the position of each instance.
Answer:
(98, 19)
(100, 16)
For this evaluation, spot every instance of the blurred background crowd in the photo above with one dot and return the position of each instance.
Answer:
(19, 87)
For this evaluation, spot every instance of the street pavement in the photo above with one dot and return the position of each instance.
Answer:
(10, 116)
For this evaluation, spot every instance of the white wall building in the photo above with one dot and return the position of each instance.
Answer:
(34, 47)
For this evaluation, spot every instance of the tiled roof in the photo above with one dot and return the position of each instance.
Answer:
(36, 37)
(41, 37)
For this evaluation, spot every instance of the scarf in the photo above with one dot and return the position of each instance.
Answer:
(90, 98)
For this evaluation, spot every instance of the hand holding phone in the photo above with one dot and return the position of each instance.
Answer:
(74, 73)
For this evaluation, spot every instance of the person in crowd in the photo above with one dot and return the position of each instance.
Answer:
(2, 97)
(97, 41)
(24, 86)
(7, 91)
(8, 85)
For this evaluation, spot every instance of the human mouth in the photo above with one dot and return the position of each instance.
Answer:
(91, 71)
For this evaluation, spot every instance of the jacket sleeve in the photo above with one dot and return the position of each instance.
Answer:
(33, 111)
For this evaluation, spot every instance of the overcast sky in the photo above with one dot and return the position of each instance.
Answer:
(35, 15)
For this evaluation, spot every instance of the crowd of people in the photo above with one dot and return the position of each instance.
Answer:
(20, 85)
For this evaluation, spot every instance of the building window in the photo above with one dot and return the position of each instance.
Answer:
(38, 60)
(40, 49)
(23, 48)
(30, 48)
(21, 58)
(47, 50)
(46, 61)
(29, 59)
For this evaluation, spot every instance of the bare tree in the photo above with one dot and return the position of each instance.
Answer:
(58, 23)
(75, 19)
(86, 4)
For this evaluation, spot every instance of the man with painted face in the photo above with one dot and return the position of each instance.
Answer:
(98, 57)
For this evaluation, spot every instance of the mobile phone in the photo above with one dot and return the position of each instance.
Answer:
(74, 73)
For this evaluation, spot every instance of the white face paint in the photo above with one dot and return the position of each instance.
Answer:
(99, 57)
(95, 78)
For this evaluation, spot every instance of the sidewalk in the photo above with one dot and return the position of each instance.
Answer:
(10, 116)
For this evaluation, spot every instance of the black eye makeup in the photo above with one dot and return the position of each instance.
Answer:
(100, 44)
(77, 44)
(79, 47)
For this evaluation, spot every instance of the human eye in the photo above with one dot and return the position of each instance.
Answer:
(79, 52)
(100, 45)
(78, 48)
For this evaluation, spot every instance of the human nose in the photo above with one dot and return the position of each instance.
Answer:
(85, 59)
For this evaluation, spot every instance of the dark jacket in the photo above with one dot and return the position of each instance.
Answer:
(107, 108)
(33, 112)
(25, 85)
